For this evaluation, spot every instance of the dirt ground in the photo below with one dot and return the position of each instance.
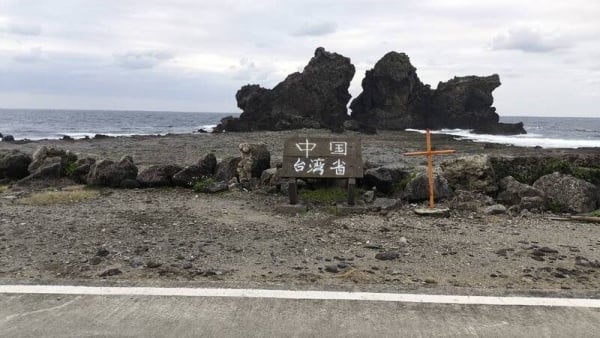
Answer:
(174, 235)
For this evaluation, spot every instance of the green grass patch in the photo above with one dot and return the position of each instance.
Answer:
(400, 186)
(595, 213)
(202, 184)
(59, 197)
(328, 195)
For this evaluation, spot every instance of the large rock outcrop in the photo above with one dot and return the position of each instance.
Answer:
(13, 164)
(315, 98)
(394, 98)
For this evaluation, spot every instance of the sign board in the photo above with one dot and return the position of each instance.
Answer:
(322, 157)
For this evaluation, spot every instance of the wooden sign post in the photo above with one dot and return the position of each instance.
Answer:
(320, 157)
(429, 153)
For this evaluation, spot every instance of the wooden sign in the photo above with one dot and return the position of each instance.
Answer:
(322, 157)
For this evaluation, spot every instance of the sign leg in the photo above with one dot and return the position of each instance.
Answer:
(351, 190)
(293, 191)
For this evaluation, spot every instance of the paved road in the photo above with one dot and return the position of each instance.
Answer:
(99, 315)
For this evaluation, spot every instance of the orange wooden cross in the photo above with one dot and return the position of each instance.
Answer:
(430, 153)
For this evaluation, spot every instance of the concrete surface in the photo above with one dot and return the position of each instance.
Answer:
(52, 315)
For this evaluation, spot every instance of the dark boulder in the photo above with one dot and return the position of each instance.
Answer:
(315, 98)
(8, 138)
(14, 164)
(385, 179)
(208, 164)
(189, 175)
(227, 169)
(158, 175)
(110, 174)
(79, 170)
(501, 129)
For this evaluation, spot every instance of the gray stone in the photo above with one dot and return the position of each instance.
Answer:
(158, 175)
(254, 159)
(418, 188)
(513, 191)
(110, 174)
(567, 193)
(386, 203)
(227, 169)
(496, 209)
(387, 256)
(472, 173)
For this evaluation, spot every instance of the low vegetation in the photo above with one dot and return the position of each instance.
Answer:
(328, 195)
(59, 196)
(202, 184)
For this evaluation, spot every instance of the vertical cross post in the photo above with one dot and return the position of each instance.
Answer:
(430, 153)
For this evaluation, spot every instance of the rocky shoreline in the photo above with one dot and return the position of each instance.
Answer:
(497, 235)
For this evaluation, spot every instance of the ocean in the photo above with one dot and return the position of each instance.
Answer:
(35, 124)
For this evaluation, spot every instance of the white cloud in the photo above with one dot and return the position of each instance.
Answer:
(21, 28)
(316, 29)
(195, 47)
(529, 40)
(142, 60)
(29, 56)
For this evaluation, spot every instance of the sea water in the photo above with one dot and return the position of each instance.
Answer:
(545, 132)
(35, 124)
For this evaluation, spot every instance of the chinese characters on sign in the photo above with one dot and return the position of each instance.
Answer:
(322, 157)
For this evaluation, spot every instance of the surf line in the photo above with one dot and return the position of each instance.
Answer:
(299, 295)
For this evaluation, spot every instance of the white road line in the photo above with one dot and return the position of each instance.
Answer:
(297, 294)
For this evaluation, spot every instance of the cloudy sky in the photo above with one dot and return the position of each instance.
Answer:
(193, 55)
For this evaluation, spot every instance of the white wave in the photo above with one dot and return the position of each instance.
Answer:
(524, 140)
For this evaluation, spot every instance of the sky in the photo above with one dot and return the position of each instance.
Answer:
(193, 55)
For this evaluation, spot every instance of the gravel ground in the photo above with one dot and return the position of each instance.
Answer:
(175, 235)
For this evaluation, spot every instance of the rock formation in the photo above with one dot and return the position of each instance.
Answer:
(394, 98)
(315, 98)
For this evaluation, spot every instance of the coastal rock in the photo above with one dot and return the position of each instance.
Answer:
(417, 189)
(227, 169)
(79, 170)
(501, 128)
(567, 193)
(464, 102)
(50, 162)
(394, 97)
(208, 164)
(254, 159)
(473, 173)
(158, 175)
(496, 209)
(110, 174)
(385, 178)
(8, 138)
(269, 177)
(14, 164)
(513, 191)
(315, 98)
(189, 175)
